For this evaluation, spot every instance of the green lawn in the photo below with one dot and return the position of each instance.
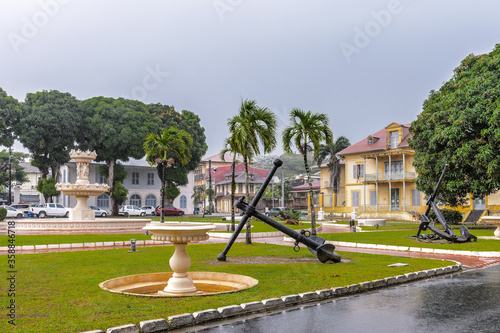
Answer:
(59, 292)
(402, 238)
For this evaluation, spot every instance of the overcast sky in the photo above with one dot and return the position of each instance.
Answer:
(364, 63)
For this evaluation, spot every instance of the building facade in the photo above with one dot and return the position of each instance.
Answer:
(378, 180)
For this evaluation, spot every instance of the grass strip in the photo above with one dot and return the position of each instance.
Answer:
(59, 292)
(402, 238)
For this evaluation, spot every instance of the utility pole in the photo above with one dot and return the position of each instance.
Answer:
(10, 176)
(210, 187)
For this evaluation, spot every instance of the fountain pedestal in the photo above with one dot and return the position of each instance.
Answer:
(179, 233)
(82, 189)
(493, 220)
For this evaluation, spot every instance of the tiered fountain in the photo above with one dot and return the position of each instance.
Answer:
(82, 189)
(81, 217)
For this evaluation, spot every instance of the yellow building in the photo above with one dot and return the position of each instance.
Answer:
(378, 178)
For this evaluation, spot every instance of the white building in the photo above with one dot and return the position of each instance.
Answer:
(142, 183)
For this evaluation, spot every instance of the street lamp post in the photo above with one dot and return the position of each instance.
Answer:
(10, 177)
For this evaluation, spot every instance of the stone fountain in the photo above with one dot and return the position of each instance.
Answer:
(81, 217)
(82, 189)
(180, 282)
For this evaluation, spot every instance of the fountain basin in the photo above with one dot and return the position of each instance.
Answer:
(206, 283)
(179, 232)
(493, 220)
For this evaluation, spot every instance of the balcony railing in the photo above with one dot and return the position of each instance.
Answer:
(371, 177)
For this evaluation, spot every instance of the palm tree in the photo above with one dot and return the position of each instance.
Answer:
(161, 150)
(231, 146)
(252, 127)
(330, 151)
(307, 129)
(199, 196)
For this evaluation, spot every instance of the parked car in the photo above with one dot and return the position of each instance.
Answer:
(275, 211)
(99, 212)
(169, 210)
(150, 210)
(131, 210)
(50, 209)
(25, 208)
(12, 212)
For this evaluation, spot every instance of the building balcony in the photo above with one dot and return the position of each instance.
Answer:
(398, 176)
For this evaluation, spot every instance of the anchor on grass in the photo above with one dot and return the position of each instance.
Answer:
(315, 244)
(447, 232)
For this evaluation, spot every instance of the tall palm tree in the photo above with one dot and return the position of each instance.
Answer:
(231, 146)
(160, 152)
(252, 127)
(330, 151)
(306, 131)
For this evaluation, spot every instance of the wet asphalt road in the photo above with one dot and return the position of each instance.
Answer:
(465, 302)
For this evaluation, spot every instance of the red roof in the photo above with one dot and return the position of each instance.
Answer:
(305, 187)
(227, 158)
(379, 142)
(219, 173)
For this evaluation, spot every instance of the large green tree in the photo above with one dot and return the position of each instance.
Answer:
(50, 126)
(460, 126)
(162, 151)
(306, 131)
(252, 127)
(191, 124)
(10, 116)
(329, 152)
(115, 129)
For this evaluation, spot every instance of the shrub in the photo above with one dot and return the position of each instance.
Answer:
(3, 213)
(291, 216)
(451, 216)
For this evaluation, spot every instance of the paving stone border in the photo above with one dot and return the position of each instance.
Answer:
(272, 304)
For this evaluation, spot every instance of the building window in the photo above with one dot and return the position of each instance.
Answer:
(135, 178)
(415, 198)
(358, 171)
(183, 202)
(397, 171)
(102, 179)
(355, 198)
(151, 178)
(151, 200)
(373, 198)
(240, 188)
(394, 137)
(135, 200)
(103, 201)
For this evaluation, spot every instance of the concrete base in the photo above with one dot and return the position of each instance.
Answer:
(371, 222)
(206, 283)
(65, 224)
